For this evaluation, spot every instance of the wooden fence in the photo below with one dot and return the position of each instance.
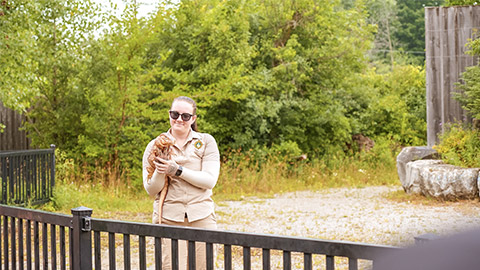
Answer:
(65, 242)
(447, 30)
(12, 138)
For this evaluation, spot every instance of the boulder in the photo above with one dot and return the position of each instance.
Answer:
(444, 181)
(410, 154)
(413, 181)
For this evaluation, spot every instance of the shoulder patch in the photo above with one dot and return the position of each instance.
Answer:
(198, 144)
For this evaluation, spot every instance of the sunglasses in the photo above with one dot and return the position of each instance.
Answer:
(185, 116)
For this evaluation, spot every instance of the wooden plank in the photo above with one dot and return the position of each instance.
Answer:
(12, 138)
(433, 72)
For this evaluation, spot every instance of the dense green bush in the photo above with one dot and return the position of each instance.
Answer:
(459, 146)
(271, 79)
(469, 97)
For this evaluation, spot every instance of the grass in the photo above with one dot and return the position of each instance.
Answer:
(237, 180)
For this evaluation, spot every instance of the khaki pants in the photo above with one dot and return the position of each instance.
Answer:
(200, 250)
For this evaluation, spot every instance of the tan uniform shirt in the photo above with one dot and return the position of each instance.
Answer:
(200, 159)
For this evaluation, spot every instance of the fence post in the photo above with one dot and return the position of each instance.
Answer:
(82, 238)
(52, 146)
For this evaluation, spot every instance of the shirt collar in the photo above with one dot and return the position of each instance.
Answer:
(191, 135)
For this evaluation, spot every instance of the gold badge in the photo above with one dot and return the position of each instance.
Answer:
(198, 144)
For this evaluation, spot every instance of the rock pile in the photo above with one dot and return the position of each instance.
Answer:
(420, 173)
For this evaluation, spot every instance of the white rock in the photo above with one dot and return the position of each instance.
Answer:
(433, 178)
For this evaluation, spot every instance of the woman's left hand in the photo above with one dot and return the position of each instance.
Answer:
(165, 166)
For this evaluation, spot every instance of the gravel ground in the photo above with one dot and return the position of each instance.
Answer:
(362, 215)
(359, 215)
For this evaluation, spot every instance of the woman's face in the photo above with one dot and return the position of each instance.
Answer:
(178, 108)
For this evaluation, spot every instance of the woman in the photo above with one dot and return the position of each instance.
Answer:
(193, 170)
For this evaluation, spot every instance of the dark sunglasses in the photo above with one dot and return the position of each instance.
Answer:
(185, 116)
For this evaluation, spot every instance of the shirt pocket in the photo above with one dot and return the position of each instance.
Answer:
(198, 153)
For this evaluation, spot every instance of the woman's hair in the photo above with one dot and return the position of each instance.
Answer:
(194, 105)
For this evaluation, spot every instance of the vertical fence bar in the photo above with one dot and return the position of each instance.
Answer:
(52, 170)
(352, 264)
(142, 246)
(13, 243)
(330, 262)
(34, 177)
(209, 251)
(126, 252)
(191, 255)
(36, 245)
(10, 178)
(111, 251)
(307, 261)
(82, 239)
(45, 245)
(174, 254)
(28, 232)
(227, 253)
(21, 249)
(70, 246)
(97, 250)
(5, 242)
(63, 260)
(53, 245)
(4, 175)
(247, 260)
(44, 177)
(28, 177)
(158, 253)
(266, 258)
(287, 260)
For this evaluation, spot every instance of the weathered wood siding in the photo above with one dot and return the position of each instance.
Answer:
(447, 30)
(12, 137)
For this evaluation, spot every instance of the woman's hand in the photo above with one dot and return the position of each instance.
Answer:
(164, 166)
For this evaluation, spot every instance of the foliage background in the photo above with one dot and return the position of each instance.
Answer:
(272, 79)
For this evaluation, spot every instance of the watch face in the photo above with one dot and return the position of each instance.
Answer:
(179, 171)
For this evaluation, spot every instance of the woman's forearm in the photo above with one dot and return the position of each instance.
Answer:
(205, 179)
(155, 184)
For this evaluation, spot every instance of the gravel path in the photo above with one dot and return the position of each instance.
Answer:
(359, 215)
(362, 215)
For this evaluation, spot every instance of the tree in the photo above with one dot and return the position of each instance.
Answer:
(383, 14)
(449, 3)
(18, 45)
(410, 32)
(37, 39)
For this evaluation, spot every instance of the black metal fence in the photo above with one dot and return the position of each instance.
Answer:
(47, 247)
(27, 176)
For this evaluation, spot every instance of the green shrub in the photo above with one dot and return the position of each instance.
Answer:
(459, 146)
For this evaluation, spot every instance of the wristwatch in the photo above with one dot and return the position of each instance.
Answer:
(179, 171)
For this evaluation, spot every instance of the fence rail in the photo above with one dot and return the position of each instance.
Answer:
(27, 176)
(50, 253)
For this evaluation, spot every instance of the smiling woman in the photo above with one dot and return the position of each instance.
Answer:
(190, 171)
